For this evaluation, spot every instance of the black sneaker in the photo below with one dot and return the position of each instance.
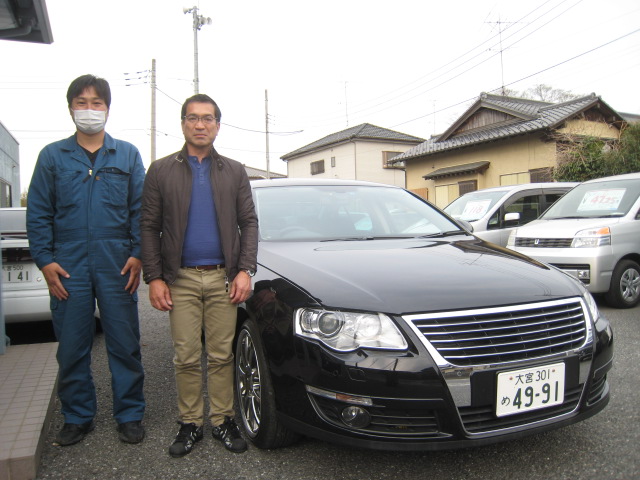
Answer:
(229, 434)
(186, 438)
(72, 433)
(131, 432)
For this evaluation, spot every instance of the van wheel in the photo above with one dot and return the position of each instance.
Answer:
(625, 285)
(254, 392)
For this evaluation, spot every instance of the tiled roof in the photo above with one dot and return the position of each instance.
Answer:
(256, 173)
(365, 131)
(457, 169)
(526, 116)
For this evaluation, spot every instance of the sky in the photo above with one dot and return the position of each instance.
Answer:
(303, 70)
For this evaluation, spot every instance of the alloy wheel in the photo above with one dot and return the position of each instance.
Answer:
(248, 383)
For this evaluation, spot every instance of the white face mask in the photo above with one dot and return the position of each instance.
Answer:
(90, 121)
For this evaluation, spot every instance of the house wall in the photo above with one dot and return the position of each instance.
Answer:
(9, 167)
(511, 161)
(590, 129)
(368, 167)
(509, 157)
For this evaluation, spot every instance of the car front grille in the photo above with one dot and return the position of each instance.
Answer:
(16, 254)
(543, 242)
(504, 334)
(483, 419)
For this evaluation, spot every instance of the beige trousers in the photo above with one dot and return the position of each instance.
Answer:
(201, 303)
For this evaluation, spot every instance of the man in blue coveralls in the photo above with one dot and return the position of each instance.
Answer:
(83, 211)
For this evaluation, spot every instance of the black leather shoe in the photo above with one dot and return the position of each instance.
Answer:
(131, 432)
(229, 434)
(72, 433)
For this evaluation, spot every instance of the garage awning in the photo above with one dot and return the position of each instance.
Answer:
(475, 167)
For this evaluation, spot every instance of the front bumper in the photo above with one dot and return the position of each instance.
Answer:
(421, 403)
(598, 262)
(21, 306)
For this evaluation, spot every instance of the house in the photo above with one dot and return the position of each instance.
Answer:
(9, 169)
(258, 174)
(357, 153)
(503, 141)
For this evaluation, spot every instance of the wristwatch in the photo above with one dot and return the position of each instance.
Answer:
(249, 272)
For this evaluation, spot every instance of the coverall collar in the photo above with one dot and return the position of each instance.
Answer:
(77, 153)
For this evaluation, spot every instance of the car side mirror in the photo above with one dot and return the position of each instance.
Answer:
(512, 217)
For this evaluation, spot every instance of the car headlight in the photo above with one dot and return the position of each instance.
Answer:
(592, 237)
(592, 306)
(348, 331)
(511, 241)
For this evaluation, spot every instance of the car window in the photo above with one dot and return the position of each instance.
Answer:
(333, 212)
(474, 205)
(528, 208)
(611, 198)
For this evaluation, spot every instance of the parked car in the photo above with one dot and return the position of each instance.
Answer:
(377, 321)
(25, 295)
(593, 234)
(494, 212)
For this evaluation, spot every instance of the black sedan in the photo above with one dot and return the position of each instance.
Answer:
(377, 321)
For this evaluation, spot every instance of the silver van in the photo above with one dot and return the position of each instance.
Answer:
(494, 212)
(593, 234)
(25, 295)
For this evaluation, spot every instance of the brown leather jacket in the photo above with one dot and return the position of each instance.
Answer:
(165, 208)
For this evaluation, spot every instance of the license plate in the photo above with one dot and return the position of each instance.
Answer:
(529, 389)
(17, 273)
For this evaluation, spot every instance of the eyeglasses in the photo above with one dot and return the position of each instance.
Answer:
(194, 119)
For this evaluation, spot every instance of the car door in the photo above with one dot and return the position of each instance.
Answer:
(519, 209)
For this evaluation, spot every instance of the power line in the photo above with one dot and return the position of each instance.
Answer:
(525, 77)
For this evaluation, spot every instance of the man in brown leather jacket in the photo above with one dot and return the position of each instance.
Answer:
(199, 247)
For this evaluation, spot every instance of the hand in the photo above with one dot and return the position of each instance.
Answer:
(240, 287)
(160, 295)
(52, 274)
(133, 266)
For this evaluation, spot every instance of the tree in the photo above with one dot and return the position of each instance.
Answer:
(543, 93)
(581, 159)
(546, 93)
(23, 198)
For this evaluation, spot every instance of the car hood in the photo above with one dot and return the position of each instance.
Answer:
(413, 275)
(563, 228)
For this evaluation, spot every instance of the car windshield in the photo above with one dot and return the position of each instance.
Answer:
(345, 212)
(473, 206)
(610, 198)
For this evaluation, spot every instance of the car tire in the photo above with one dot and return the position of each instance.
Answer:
(254, 393)
(625, 285)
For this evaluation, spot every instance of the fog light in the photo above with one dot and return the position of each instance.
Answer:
(584, 274)
(356, 417)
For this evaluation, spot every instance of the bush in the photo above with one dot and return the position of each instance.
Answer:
(591, 157)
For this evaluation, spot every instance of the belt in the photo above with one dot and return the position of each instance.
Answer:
(202, 268)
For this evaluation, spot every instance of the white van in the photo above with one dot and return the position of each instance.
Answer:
(593, 234)
(494, 212)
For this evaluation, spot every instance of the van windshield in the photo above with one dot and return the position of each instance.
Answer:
(473, 206)
(609, 198)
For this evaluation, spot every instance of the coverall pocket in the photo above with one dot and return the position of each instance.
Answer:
(116, 182)
(68, 188)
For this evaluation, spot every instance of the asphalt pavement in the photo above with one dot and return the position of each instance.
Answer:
(600, 448)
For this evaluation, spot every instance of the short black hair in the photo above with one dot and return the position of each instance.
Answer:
(83, 82)
(200, 98)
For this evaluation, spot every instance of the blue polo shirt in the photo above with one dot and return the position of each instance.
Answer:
(202, 238)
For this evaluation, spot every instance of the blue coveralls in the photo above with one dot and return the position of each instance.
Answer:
(86, 218)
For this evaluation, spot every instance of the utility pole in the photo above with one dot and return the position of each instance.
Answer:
(153, 110)
(266, 128)
(198, 22)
